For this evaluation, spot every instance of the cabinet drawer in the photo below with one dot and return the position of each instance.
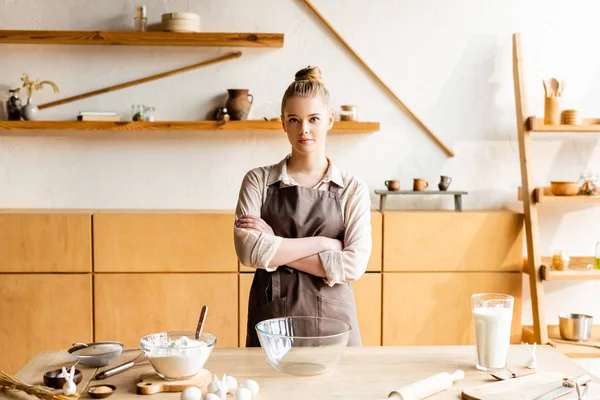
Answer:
(434, 309)
(32, 242)
(164, 242)
(452, 241)
(42, 312)
(129, 306)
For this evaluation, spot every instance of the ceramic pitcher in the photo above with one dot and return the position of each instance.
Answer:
(239, 103)
(445, 182)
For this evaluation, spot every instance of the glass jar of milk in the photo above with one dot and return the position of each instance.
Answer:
(492, 317)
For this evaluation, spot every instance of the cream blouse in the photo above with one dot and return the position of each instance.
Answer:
(256, 249)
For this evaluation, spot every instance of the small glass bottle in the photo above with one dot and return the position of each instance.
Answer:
(140, 19)
(148, 113)
(597, 259)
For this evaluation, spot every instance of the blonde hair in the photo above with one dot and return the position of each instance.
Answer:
(308, 83)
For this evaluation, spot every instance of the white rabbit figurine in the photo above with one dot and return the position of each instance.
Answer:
(532, 362)
(69, 388)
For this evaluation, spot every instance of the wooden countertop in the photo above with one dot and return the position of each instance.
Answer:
(363, 373)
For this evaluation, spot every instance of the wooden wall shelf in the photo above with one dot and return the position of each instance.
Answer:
(544, 196)
(134, 38)
(249, 125)
(589, 125)
(570, 274)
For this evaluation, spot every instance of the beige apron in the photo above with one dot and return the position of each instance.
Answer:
(297, 212)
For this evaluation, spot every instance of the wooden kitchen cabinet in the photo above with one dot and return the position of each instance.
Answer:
(164, 242)
(452, 241)
(434, 308)
(41, 312)
(129, 306)
(40, 241)
(377, 237)
(367, 293)
(375, 260)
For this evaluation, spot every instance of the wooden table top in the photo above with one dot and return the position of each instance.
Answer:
(363, 372)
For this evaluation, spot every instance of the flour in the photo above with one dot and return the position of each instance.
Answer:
(175, 359)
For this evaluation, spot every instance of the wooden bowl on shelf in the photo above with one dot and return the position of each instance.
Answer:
(564, 188)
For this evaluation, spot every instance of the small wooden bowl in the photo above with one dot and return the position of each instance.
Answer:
(98, 395)
(52, 380)
(564, 188)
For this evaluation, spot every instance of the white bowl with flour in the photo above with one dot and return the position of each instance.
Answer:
(177, 355)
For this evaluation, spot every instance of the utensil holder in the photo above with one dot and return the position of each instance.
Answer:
(552, 110)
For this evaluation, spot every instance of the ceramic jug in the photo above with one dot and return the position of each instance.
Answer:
(238, 104)
(445, 182)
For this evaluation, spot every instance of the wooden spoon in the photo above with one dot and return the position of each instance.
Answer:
(545, 87)
(201, 321)
(554, 85)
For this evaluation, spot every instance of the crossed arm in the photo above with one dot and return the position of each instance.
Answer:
(256, 245)
(300, 254)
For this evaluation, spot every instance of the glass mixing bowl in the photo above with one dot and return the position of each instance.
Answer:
(177, 355)
(303, 345)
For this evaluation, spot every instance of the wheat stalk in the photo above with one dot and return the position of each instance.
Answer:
(9, 382)
(30, 86)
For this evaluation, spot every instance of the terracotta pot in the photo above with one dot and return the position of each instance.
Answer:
(238, 103)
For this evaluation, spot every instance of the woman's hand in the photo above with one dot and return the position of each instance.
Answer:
(254, 222)
(333, 244)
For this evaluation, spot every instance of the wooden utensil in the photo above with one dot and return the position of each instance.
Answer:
(416, 119)
(139, 81)
(525, 388)
(151, 384)
(545, 87)
(554, 85)
(201, 321)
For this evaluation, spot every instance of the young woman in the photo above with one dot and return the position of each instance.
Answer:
(304, 225)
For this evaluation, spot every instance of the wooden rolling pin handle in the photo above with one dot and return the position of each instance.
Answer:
(428, 386)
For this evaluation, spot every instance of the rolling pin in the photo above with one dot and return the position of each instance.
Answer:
(427, 387)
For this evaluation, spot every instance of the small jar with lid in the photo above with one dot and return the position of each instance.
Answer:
(140, 20)
(348, 113)
(560, 261)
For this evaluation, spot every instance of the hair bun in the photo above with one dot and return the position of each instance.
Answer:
(309, 74)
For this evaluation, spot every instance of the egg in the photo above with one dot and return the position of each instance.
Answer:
(231, 384)
(250, 385)
(243, 394)
(191, 393)
(211, 396)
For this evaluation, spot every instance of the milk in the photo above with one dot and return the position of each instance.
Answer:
(492, 336)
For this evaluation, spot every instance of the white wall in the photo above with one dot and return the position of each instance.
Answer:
(449, 61)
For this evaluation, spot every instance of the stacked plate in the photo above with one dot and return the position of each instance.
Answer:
(181, 22)
(571, 117)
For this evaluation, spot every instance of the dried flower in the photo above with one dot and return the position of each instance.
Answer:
(30, 86)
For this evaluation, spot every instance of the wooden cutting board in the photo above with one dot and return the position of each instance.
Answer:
(151, 384)
(525, 388)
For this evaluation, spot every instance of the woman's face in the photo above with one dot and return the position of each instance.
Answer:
(306, 121)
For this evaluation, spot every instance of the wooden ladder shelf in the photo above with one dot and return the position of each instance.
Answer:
(538, 267)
